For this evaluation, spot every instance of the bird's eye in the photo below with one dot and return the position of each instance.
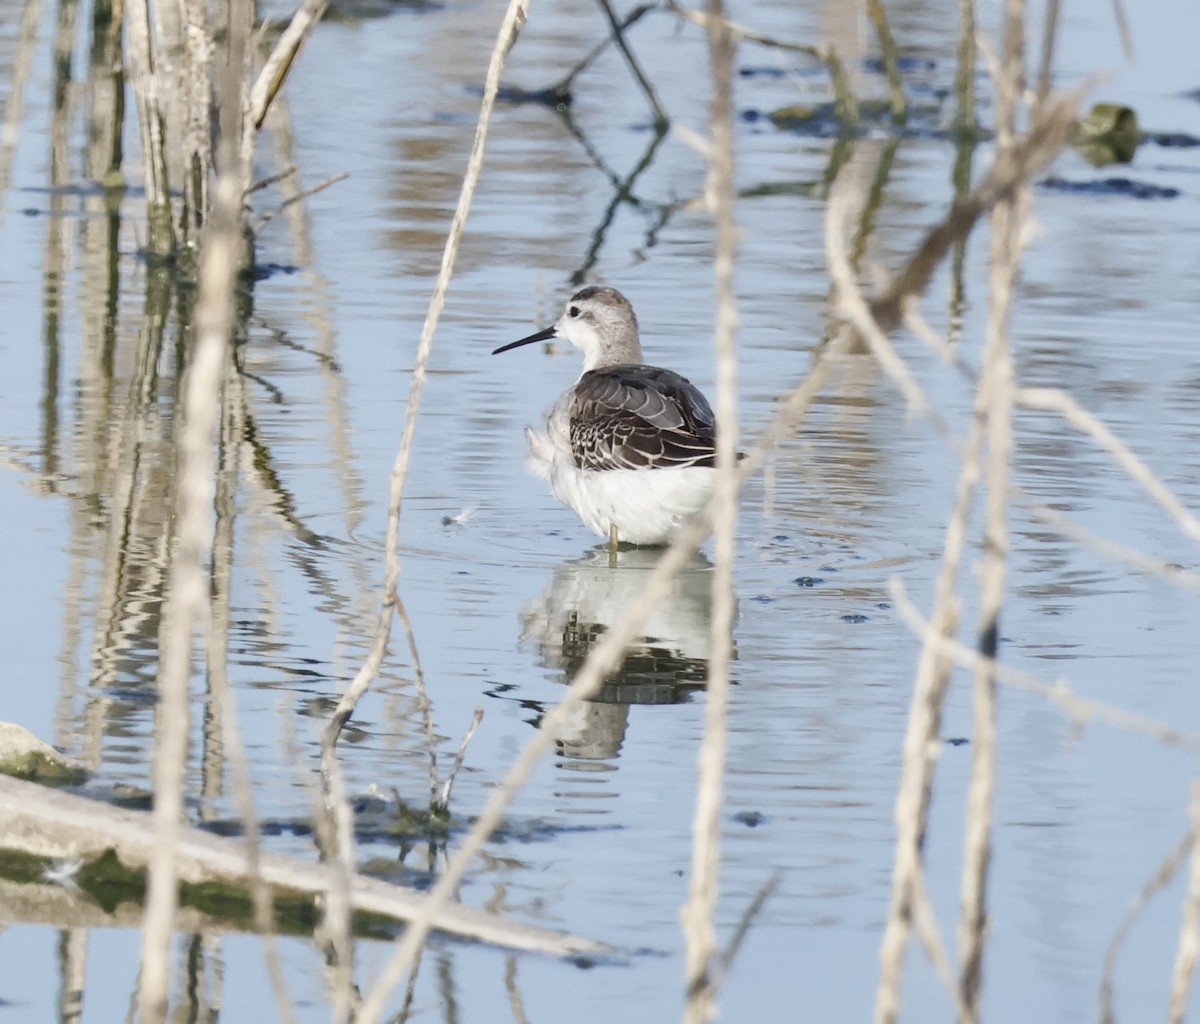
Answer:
(573, 311)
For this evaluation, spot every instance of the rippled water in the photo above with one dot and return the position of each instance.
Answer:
(505, 602)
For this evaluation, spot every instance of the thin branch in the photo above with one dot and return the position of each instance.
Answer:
(1161, 878)
(1188, 951)
(729, 954)
(423, 702)
(699, 912)
(444, 800)
(297, 198)
(281, 60)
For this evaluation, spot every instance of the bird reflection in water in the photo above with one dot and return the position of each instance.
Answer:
(582, 601)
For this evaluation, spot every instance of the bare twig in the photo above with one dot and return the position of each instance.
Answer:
(924, 925)
(749, 916)
(280, 62)
(272, 179)
(443, 801)
(1046, 63)
(1188, 950)
(924, 717)
(1124, 30)
(321, 186)
(423, 702)
(1164, 874)
(996, 387)
(750, 35)
(334, 832)
(221, 701)
(515, 1002)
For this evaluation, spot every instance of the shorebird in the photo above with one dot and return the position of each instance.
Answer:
(630, 447)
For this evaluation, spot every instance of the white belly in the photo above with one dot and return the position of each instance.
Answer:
(647, 506)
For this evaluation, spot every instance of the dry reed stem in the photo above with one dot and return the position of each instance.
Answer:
(335, 833)
(996, 385)
(1124, 30)
(1046, 64)
(1164, 874)
(700, 910)
(853, 306)
(1188, 950)
(1080, 710)
(750, 35)
(924, 924)
(423, 702)
(514, 17)
(187, 598)
(279, 63)
(299, 197)
(443, 800)
(912, 801)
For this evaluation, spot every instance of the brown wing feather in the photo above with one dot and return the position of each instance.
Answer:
(640, 417)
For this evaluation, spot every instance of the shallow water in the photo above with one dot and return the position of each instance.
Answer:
(504, 603)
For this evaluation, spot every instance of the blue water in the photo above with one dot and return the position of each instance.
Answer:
(823, 672)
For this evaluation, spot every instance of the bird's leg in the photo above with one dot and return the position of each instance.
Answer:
(612, 540)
